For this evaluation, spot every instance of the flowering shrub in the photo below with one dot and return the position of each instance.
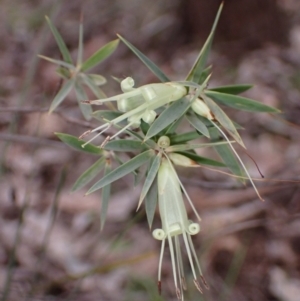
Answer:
(156, 112)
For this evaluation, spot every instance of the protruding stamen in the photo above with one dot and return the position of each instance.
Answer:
(198, 286)
(204, 282)
(173, 260)
(160, 260)
(97, 135)
(194, 254)
(188, 250)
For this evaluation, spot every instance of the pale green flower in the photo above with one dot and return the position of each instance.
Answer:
(175, 223)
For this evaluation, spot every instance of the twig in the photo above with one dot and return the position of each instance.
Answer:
(32, 140)
(28, 110)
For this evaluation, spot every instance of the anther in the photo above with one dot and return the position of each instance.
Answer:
(204, 282)
(198, 286)
(86, 101)
(159, 287)
(178, 293)
(105, 141)
(85, 134)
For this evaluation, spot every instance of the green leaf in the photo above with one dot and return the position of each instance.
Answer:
(80, 45)
(97, 79)
(123, 145)
(185, 147)
(108, 115)
(144, 126)
(89, 174)
(122, 170)
(100, 55)
(224, 120)
(76, 143)
(202, 160)
(87, 79)
(149, 64)
(63, 72)
(205, 73)
(105, 197)
(227, 155)
(173, 126)
(81, 95)
(185, 137)
(232, 89)
(173, 112)
(57, 62)
(151, 202)
(241, 103)
(150, 178)
(197, 124)
(60, 42)
(61, 95)
(92, 86)
(198, 68)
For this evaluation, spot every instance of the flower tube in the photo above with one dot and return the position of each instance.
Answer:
(175, 223)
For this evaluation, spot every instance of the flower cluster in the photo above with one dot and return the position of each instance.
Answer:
(149, 130)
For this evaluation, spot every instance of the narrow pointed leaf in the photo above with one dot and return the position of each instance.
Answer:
(205, 73)
(150, 178)
(173, 127)
(122, 170)
(151, 202)
(202, 160)
(61, 95)
(105, 197)
(60, 42)
(80, 45)
(92, 86)
(197, 124)
(100, 55)
(232, 89)
(224, 120)
(123, 145)
(199, 66)
(185, 147)
(76, 143)
(97, 79)
(63, 72)
(185, 137)
(149, 64)
(89, 174)
(240, 103)
(85, 108)
(57, 62)
(173, 112)
(108, 115)
(227, 155)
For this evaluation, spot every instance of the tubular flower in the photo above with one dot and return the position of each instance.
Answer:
(175, 223)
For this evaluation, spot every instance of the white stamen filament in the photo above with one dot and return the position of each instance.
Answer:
(160, 259)
(173, 261)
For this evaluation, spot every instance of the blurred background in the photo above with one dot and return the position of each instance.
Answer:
(51, 247)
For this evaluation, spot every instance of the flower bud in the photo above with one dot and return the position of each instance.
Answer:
(200, 108)
(181, 160)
